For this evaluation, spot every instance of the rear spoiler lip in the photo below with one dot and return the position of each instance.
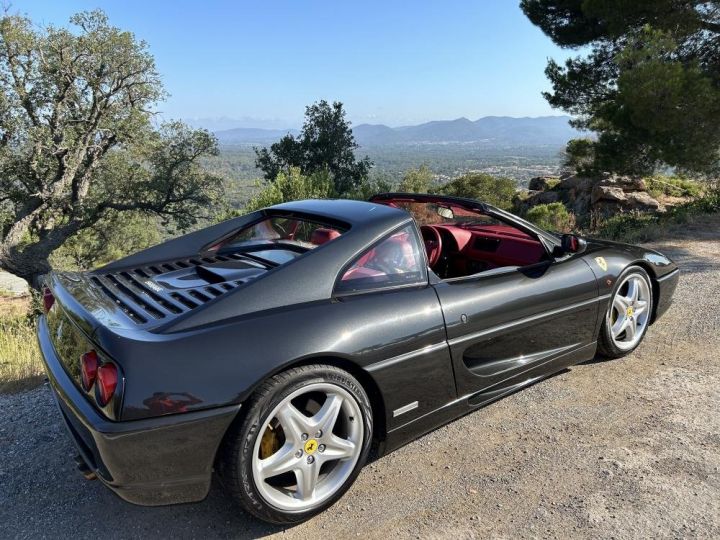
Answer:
(76, 311)
(88, 321)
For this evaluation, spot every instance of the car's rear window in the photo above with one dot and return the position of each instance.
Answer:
(301, 232)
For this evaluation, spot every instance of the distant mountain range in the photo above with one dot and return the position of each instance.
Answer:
(489, 130)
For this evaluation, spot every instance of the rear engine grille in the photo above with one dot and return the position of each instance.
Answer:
(143, 304)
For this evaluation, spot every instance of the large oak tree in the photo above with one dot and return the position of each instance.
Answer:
(77, 139)
(648, 81)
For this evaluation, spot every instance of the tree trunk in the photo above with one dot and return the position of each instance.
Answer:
(31, 269)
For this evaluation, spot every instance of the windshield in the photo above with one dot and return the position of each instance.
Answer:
(433, 213)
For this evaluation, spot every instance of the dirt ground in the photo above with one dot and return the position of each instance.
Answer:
(624, 449)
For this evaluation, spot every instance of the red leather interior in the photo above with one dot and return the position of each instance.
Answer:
(496, 245)
(397, 249)
(321, 236)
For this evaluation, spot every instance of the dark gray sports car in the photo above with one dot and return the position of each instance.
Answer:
(275, 348)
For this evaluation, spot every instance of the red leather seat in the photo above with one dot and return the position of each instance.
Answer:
(321, 236)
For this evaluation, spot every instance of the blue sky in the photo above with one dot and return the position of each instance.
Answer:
(388, 61)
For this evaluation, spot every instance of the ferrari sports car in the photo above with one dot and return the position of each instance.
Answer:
(275, 349)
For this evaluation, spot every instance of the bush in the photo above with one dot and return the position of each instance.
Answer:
(377, 183)
(113, 237)
(292, 186)
(579, 156)
(416, 180)
(495, 190)
(629, 227)
(20, 366)
(673, 186)
(635, 227)
(552, 217)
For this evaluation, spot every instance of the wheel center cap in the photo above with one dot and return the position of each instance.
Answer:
(311, 446)
(630, 311)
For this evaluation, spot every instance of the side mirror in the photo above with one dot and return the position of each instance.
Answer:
(572, 244)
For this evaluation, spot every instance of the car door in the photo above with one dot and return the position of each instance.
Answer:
(509, 325)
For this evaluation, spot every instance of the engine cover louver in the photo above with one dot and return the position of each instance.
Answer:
(138, 294)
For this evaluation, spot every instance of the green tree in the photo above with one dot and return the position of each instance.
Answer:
(325, 143)
(116, 235)
(649, 84)
(77, 142)
(579, 156)
(292, 186)
(377, 182)
(552, 217)
(498, 191)
(416, 180)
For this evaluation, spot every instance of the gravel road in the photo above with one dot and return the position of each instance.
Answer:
(628, 448)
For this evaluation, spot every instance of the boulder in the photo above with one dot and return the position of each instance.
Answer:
(626, 183)
(575, 182)
(642, 201)
(607, 193)
(541, 183)
(544, 197)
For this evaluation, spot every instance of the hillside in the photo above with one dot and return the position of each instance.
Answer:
(490, 131)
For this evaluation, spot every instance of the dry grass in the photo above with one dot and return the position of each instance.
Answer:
(20, 364)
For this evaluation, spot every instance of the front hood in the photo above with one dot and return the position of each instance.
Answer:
(660, 263)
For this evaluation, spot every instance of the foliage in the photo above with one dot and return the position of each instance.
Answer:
(579, 156)
(77, 142)
(673, 186)
(376, 183)
(292, 186)
(113, 237)
(498, 191)
(20, 365)
(326, 142)
(649, 84)
(552, 217)
(634, 227)
(416, 180)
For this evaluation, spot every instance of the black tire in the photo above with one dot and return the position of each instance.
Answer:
(236, 452)
(606, 345)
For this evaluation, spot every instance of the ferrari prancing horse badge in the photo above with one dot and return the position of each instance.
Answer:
(602, 263)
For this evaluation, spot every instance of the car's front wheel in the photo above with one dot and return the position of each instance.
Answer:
(305, 435)
(628, 315)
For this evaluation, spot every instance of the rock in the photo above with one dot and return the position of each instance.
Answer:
(541, 183)
(575, 182)
(607, 193)
(641, 200)
(542, 197)
(626, 183)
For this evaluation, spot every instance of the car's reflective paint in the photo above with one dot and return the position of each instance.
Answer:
(447, 346)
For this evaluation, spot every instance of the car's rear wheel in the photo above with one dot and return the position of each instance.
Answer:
(628, 315)
(303, 439)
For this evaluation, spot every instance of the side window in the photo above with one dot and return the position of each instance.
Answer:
(396, 260)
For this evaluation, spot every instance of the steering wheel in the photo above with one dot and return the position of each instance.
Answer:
(433, 244)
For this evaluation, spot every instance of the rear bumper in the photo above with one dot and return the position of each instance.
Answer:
(163, 460)
(666, 289)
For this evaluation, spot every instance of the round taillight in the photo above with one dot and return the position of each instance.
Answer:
(48, 299)
(88, 368)
(107, 379)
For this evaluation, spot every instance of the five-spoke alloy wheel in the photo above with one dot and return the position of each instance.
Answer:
(628, 315)
(302, 443)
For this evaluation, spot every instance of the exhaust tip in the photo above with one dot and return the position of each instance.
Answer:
(84, 469)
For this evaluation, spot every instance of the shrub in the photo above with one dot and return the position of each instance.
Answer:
(674, 186)
(416, 180)
(20, 365)
(495, 190)
(552, 217)
(292, 186)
